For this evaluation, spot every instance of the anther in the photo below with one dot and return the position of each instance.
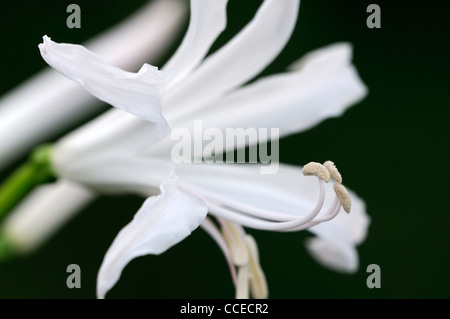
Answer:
(333, 171)
(343, 196)
(316, 169)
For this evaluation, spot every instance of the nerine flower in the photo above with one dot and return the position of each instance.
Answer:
(131, 151)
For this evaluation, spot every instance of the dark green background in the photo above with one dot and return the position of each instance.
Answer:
(391, 148)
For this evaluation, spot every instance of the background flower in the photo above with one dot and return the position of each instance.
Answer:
(386, 146)
(47, 103)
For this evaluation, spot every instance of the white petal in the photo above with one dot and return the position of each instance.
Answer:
(207, 21)
(112, 173)
(325, 86)
(115, 131)
(160, 223)
(43, 212)
(287, 191)
(336, 256)
(245, 56)
(292, 102)
(48, 103)
(137, 93)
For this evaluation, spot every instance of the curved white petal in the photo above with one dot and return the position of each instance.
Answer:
(245, 56)
(160, 223)
(207, 21)
(287, 191)
(325, 86)
(137, 93)
(48, 103)
(292, 102)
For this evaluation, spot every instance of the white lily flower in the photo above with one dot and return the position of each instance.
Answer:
(120, 152)
(144, 35)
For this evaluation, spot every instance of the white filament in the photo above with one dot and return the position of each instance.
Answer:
(263, 219)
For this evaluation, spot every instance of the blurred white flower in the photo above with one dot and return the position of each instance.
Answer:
(130, 152)
(48, 103)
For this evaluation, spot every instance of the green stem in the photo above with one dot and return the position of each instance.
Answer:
(7, 250)
(36, 171)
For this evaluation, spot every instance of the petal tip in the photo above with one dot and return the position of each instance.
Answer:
(46, 41)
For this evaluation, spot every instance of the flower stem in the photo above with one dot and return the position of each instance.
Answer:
(37, 170)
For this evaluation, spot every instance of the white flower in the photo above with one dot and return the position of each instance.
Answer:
(121, 152)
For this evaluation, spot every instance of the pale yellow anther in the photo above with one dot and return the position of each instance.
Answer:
(316, 169)
(333, 171)
(258, 282)
(343, 196)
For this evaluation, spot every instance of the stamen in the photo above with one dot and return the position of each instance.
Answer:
(329, 215)
(258, 283)
(252, 216)
(333, 171)
(236, 205)
(316, 169)
(258, 218)
(242, 291)
(214, 232)
(344, 196)
(258, 223)
(235, 239)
